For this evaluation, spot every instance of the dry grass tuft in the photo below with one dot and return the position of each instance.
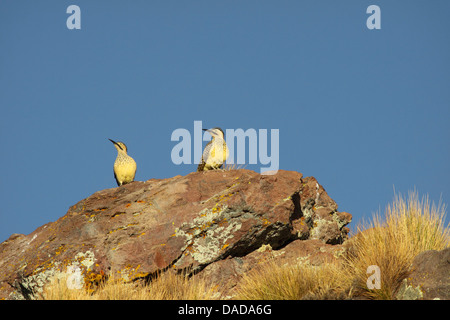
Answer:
(272, 281)
(409, 227)
(168, 286)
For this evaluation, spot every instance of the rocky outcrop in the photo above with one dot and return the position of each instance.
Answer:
(212, 222)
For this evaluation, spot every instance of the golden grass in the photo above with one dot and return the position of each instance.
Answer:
(409, 227)
(168, 286)
(272, 281)
(57, 289)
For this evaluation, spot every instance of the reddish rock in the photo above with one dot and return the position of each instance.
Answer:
(429, 278)
(227, 273)
(202, 220)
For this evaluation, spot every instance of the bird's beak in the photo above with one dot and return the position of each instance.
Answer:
(116, 144)
(209, 131)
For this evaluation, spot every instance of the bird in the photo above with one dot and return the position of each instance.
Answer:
(215, 152)
(124, 166)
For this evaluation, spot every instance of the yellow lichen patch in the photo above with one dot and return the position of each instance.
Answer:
(265, 247)
(129, 273)
(60, 249)
(219, 206)
(93, 280)
(122, 228)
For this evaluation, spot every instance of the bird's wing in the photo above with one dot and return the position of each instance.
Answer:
(205, 156)
(115, 177)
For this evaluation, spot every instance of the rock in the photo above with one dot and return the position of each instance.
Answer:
(227, 273)
(408, 292)
(195, 223)
(429, 278)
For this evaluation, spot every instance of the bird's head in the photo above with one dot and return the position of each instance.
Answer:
(215, 132)
(120, 146)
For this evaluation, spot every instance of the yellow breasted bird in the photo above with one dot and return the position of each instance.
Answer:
(216, 151)
(124, 166)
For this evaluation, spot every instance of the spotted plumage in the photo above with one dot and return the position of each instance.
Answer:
(124, 166)
(215, 152)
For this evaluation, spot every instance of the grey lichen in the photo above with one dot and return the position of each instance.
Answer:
(208, 233)
(32, 286)
(408, 292)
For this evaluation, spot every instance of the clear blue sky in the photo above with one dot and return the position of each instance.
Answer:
(361, 110)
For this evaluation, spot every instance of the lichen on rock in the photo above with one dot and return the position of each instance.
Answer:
(189, 223)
